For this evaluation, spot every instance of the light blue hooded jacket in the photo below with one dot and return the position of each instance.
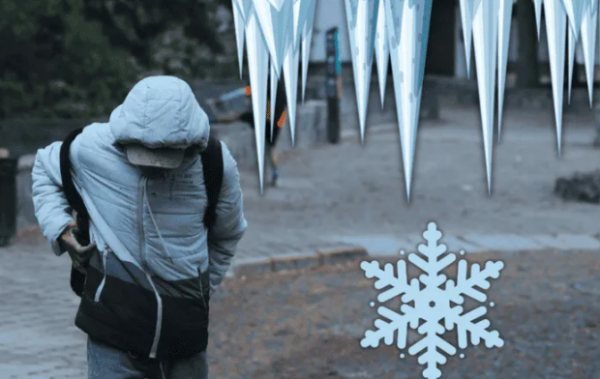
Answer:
(145, 221)
(149, 282)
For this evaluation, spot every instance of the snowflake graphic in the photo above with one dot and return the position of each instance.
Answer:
(431, 304)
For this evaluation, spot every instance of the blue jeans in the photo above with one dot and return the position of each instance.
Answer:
(107, 362)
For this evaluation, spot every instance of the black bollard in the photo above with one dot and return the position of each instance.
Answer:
(8, 199)
(333, 87)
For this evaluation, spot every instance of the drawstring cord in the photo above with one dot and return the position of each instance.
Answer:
(154, 222)
(162, 372)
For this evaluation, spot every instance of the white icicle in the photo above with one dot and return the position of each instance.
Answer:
(276, 19)
(574, 9)
(258, 66)
(306, 45)
(408, 47)
(485, 38)
(382, 51)
(504, 23)
(538, 16)
(290, 72)
(466, 15)
(240, 30)
(241, 12)
(302, 10)
(556, 27)
(589, 28)
(361, 16)
(571, 59)
(273, 100)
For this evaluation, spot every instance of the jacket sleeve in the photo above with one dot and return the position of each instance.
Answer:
(230, 223)
(50, 204)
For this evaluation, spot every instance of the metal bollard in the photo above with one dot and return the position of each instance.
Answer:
(333, 88)
(8, 199)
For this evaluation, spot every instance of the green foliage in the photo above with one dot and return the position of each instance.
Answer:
(54, 62)
(78, 58)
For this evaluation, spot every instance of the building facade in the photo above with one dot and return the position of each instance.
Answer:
(445, 53)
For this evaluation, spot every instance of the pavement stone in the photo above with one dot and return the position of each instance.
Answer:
(292, 261)
(507, 242)
(569, 241)
(342, 255)
(381, 246)
(252, 266)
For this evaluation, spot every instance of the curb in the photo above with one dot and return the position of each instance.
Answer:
(322, 257)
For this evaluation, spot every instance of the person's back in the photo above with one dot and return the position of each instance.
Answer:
(155, 265)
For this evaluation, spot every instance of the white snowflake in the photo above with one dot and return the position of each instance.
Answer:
(435, 304)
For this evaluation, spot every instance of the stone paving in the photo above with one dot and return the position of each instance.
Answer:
(345, 195)
(334, 192)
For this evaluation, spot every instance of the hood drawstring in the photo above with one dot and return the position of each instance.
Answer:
(162, 371)
(155, 223)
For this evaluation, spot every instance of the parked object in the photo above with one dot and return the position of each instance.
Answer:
(8, 199)
(584, 187)
(333, 87)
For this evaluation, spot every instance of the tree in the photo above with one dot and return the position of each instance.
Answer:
(78, 58)
(137, 26)
(55, 63)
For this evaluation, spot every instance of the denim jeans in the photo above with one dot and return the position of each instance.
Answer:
(107, 362)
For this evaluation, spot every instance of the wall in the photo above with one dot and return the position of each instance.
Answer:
(330, 13)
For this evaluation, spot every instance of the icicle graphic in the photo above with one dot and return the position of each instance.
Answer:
(538, 15)
(574, 10)
(504, 23)
(382, 51)
(485, 38)
(258, 65)
(290, 72)
(589, 28)
(274, 79)
(276, 20)
(556, 27)
(240, 29)
(408, 46)
(571, 59)
(307, 33)
(361, 16)
(302, 10)
(466, 15)
(241, 11)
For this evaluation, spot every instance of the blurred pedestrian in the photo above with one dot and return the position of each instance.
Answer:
(151, 260)
(280, 117)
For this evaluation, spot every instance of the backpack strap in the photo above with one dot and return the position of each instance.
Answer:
(73, 198)
(212, 169)
(76, 203)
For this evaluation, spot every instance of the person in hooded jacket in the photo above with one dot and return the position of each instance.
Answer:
(152, 266)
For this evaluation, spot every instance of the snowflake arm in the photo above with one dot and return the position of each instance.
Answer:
(465, 323)
(387, 330)
(432, 358)
(386, 278)
(479, 278)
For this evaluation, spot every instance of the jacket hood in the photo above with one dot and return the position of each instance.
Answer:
(160, 111)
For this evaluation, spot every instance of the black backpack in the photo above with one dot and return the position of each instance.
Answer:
(212, 167)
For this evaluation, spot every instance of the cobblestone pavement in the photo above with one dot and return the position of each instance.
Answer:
(333, 192)
(326, 196)
(307, 324)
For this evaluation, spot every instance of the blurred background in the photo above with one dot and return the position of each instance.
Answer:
(67, 63)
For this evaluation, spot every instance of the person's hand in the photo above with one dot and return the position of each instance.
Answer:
(80, 255)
